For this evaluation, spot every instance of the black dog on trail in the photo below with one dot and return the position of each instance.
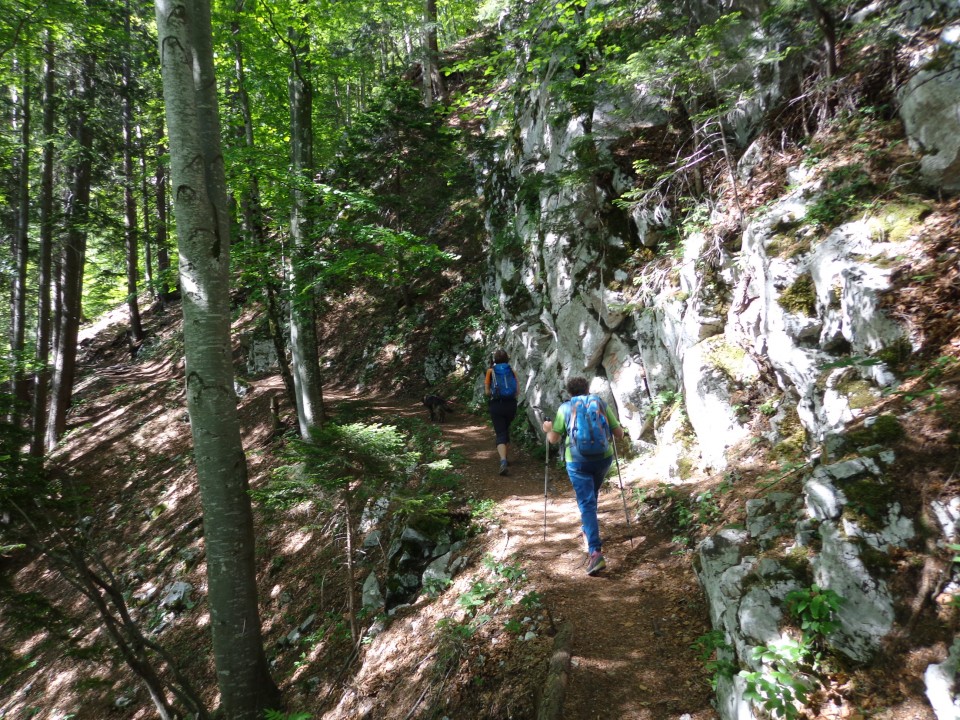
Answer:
(437, 406)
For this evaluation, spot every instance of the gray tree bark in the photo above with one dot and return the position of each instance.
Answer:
(434, 85)
(21, 248)
(163, 254)
(41, 381)
(129, 199)
(307, 379)
(73, 254)
(203, 235)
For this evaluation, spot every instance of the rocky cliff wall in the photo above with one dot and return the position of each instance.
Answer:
(775, 330)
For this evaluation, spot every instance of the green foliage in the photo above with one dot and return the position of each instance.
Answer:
(847, 190)
(687, 514)
(373, 454)
(711, 648)
(815, 609)
(663, 400)
(789, 666)
(278, 715)
(782, 685)
(453, 639)
(434, 586)
(484, 511)
(931, 385)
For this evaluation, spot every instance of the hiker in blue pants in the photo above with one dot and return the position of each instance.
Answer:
(589, 425)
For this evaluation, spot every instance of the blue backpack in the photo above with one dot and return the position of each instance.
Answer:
(504, 382)
(587, 427)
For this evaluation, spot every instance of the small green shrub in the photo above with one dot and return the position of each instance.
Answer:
(278, 715)
(710, 648)
(789, 666)
(781, 686)
(814, 608)
(847, 190)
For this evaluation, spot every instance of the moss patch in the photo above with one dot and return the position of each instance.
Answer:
(868, 502)
(896, 353)
(800, 297)
(729, 358)
(793, 437)
(858, 392)
(788, 246)
(897, 221)
(885, 430)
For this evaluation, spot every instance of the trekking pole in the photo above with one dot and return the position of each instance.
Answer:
(546, 477)
(546, 472)
(623, 497)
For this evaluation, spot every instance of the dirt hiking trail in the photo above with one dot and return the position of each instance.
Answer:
(633, 623)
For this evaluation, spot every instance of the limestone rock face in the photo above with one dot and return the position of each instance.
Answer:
(930, 109)
(688, 338)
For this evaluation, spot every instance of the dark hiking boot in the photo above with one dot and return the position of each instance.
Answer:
(503, 467)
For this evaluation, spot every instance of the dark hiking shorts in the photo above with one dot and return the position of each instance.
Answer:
(502, 412)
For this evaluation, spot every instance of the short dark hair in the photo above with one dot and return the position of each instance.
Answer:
(500, 356)
(578, 386)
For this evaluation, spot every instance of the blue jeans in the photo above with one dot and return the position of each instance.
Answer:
(586, 478)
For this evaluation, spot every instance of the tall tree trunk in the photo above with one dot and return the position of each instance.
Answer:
(434, 86)
(828, 28)
(203, 234)
(129, 200)
(303, 327)
(20, 386)
(145, 204)
(42, 377)
(163, 254)
(73, 254)
(252, 211)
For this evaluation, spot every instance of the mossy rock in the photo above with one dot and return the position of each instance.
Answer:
(897, 221)
(729, 358)
(875, 559)
(868, 502)
(895, 353)
(859, 393)
(885, 430)
(788, 246)
(801, 297)
(797, 561)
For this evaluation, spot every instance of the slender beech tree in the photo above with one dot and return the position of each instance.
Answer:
(21, 119)
(129, 199)
(163, 253)
(44, 263)
(251, 209)
(203, 234)
(434, 86)
(303, 322)
(74, 246)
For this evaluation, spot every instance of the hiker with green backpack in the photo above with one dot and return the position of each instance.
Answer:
(590, 426)
(501, 386)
